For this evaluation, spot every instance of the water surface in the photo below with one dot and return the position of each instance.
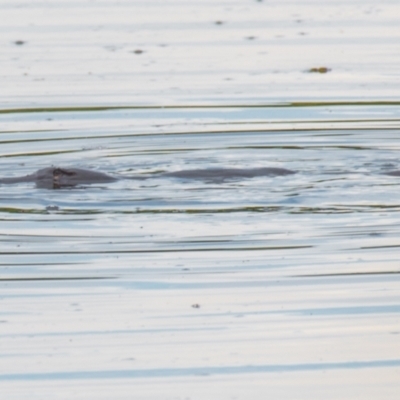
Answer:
(283, 287)
(230, 274)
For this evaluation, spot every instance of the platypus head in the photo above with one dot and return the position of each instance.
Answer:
(57, 178)
(63, 178)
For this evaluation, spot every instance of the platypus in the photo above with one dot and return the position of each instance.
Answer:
(393, 173)
(57, 178)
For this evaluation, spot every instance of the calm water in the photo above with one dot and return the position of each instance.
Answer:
(285, 287)
(307, 261)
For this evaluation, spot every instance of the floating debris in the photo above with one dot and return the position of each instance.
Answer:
(319, 70)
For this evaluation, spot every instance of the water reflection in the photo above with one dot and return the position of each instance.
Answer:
(289, 258)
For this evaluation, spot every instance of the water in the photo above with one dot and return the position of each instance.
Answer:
(172, 289)
(207, 269)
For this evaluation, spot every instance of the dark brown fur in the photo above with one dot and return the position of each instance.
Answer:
(56, 178)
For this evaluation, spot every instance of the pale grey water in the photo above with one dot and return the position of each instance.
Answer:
(326, 239)
(284, 287)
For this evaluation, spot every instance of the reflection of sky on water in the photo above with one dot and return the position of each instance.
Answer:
(284, 287)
